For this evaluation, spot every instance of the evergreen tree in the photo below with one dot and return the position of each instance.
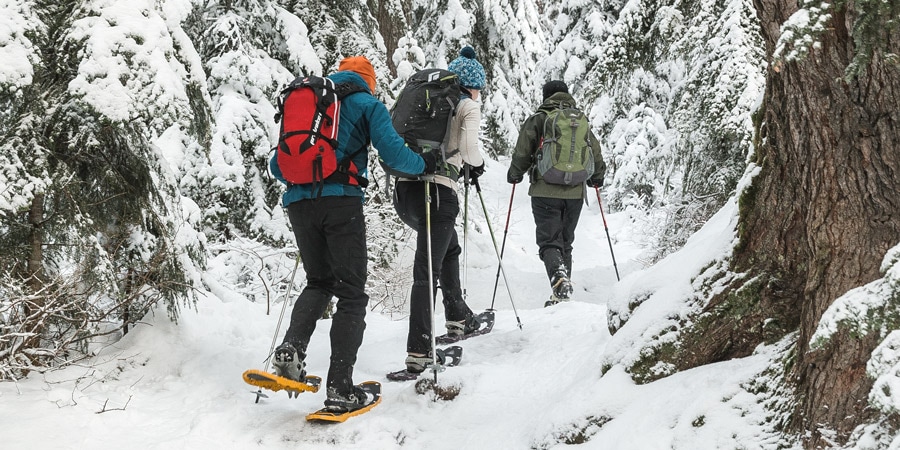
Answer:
(672, 89)
(101, 225)
(511, 42)
(250, 50)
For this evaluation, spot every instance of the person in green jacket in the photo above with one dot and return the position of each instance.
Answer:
(556, 207)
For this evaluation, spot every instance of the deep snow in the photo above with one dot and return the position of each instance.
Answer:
(168, 385)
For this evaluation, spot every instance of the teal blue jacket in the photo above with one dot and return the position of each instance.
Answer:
(363, 117)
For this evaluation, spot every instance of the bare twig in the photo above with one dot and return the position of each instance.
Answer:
(103, 410)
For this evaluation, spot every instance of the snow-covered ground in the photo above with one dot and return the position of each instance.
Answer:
(171, 386)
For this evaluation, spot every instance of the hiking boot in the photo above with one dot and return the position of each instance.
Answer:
(554, 300)
(418, 364)
(562, 287)
(460, 328)
(341, 403)
(289, 362)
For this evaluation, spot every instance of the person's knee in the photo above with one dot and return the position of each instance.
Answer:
(354, 307)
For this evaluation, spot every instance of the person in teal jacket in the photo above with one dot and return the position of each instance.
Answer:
(329, 226)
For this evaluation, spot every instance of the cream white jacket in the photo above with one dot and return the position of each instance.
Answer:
(462, 140)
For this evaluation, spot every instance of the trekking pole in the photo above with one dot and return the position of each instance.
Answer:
(466, 235)
(434, 363)
(287, 297)
(503, 246)
(497, 251)
(600, 204)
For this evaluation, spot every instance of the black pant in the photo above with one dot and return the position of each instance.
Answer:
(555, 221)
(445, 250)
(331, 236)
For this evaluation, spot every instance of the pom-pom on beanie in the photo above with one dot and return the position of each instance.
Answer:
(470, 72)
(553, 87)
(362, 66)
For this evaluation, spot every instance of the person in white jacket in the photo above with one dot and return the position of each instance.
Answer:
(463, 155)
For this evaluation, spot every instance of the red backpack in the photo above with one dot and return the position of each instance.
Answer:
(309, 110)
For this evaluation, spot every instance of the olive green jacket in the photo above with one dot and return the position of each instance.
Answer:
(530, 136)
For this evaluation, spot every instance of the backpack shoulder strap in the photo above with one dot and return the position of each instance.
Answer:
(550, 124)
(344, 90)
(343, 172)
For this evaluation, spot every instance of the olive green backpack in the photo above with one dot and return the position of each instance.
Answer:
(565, 156)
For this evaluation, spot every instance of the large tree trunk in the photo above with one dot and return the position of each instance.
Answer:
(390, 27)
(817, 220)
(827, 207)
(829, 202)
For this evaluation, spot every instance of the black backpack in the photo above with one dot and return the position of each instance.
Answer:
(422, 115)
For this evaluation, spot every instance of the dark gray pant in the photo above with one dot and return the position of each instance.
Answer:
(555, 221)
(445, 251)
(331, 236)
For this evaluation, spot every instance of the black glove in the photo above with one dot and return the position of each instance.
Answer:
(431, 159)
(513, 179)
(474, 172)
(595, 182)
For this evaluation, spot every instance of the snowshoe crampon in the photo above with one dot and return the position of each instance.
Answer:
(275, 383)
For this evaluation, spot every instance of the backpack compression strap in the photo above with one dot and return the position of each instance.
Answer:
(346, 172)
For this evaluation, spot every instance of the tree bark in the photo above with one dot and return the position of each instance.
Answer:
(390, 29)
(816, 221)
(825, 207)
(35, 265)
(828, 203)
(35, 270)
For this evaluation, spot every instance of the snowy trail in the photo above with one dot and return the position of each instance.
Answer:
(168, 386)
(511, 379)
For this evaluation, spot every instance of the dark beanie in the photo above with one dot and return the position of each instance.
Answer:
(553, 87)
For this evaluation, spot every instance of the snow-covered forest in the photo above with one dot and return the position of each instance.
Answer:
(134, 146)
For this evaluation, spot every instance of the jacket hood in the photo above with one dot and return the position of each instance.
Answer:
(346, 76)
(556, 100)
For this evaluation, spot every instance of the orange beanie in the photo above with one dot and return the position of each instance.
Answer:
(362, 66)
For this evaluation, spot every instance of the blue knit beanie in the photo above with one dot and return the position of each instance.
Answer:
(471, 74)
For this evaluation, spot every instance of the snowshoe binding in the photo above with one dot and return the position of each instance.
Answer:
(416, 365)
(290, 372)
(477, 325)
